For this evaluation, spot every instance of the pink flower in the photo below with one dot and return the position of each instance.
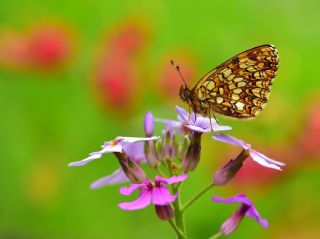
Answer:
(255, 155)
(155, 193)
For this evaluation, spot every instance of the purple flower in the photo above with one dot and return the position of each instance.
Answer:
(256, 156)
(129, 151)
(155, 193)
(118, 145)
(194, 122)
(246, 209)
(198, 123)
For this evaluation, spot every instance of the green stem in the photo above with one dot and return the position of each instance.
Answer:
(196, 197)
(179, 217)
(175, 228)
(217, 235)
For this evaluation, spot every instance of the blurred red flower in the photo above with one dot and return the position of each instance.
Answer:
(116, 76)
(43, 47)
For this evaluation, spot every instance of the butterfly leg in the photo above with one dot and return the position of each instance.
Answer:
(189, 111)
(209, 115)
(216, 119)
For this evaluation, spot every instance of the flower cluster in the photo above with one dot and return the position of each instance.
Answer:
(172, 156)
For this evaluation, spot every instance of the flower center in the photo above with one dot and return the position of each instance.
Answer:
(115, 141)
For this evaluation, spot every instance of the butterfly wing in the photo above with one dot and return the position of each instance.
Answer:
(240, 86)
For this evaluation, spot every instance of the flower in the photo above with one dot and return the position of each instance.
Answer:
(155, 193)
(198, 123)
(129, 151)
(195, 122)
(255, 155)
(246, 209)
(119, 144)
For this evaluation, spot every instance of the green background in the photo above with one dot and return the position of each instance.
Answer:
(49, 119)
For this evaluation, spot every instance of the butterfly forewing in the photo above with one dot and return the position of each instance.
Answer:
(240, 86)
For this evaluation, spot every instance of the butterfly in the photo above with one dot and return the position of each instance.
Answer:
(237, 88)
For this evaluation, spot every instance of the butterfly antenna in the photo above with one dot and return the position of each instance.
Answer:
(177, 68)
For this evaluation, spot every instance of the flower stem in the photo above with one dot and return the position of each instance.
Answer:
(196, 197)
(178, 213)
(175, 228)
(217, 235)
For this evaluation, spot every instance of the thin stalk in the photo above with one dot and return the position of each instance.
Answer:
(196, 197)
(217, 235)
(179, 217)
(175, 228)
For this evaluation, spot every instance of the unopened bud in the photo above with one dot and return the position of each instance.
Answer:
(148, 124)
(228, 171)
(192, 157)
(164, 212)
(131, 168)
(151, 154)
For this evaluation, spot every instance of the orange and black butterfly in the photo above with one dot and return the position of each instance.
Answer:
(237, 88)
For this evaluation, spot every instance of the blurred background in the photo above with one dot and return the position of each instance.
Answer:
(74, 74)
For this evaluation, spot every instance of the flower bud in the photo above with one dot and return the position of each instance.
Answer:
(151, 154)
(132, 169)
(148, 124)
(228, 171)
(168, 143)
(164, 212)
(192, 157)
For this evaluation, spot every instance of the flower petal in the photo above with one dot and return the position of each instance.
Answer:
(265, 161)
(161, 196)
(108, 148)
(239, 198)
(135, 151)
(142, 202)
(203, 122)
(173, 179)
(231, 140)
(197, 128)
(129, 190)
(182, 114)
(174, 123)
(217, 127)
(86, 160)
(125, 140)
(115, 178)
(253, 213)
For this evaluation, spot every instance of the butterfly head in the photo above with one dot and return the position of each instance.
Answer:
(184, 93)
